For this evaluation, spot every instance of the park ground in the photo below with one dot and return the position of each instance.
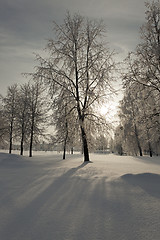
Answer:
(110, 198)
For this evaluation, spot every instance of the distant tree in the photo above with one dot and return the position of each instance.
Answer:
(23, 114)
(38, 109)
(128, 116)
(111, 145)
(10, 111)
(80, 64)
(101, 142)
(149, 121)
(118, 140)
(3, 124)
(64, 119)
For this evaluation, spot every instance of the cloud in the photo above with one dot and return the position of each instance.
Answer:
(26, 24)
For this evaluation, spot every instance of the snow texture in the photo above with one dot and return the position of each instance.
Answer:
(112, 197)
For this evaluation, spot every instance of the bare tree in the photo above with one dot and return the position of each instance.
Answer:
(64, 121)
(143, 65)
(38, 109)
(3, 124)
(118, 140)
(142, 81)
(23, 114)
(80, 64)
(10, 110)
(128, 116)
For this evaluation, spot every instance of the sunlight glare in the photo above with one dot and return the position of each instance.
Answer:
(109, 111)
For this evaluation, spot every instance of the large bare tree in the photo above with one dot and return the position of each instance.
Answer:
(80, 64)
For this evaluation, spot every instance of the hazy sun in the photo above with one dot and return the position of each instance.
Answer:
(104, 110)
(109, 110)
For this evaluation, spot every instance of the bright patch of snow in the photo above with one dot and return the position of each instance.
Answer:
(112, 197)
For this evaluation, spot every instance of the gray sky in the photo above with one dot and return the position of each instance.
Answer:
(25, 26)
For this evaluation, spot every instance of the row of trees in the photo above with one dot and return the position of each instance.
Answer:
(139, 129)
(23, 114)
(26, 113)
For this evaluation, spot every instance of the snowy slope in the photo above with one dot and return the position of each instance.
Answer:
(111, 198)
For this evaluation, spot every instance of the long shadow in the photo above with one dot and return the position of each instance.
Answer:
(74, 208)
(149, 182)
(59, 196)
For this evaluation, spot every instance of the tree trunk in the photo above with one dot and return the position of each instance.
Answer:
(64, 151)
(149, 143)
(71, 150)
(140, 150)
(22, 140)
(85, 145)
(10, 144)
(65, 140)
(10, 139)
(30, 147)
(150, 149)
(138, 142)
(31, 139)
(21, 153)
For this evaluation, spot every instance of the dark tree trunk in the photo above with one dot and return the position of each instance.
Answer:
(21, 153)
(10, 145)
(72, 150)
(150, 149)
(64, 151)
(30, 147)
(11, 137)
(31, 139)
(140, 151)
(85, 145)
(22, 140)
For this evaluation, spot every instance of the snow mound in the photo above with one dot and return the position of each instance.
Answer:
(149, 182)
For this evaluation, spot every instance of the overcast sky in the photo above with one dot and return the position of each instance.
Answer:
(25, 26)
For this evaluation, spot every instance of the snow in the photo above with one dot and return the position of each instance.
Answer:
(47, 198)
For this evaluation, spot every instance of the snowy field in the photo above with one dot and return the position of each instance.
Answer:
(110, 198)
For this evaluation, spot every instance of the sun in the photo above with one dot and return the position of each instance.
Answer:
(109, 110)
(104, 109)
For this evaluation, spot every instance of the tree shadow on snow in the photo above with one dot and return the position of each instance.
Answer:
(71, 207)
(60, 198)
(149, 182)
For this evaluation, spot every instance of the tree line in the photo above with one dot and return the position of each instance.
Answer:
(139, 128)
(26, 113)
(23, 113)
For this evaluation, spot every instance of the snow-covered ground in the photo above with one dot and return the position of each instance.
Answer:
(110, 198)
